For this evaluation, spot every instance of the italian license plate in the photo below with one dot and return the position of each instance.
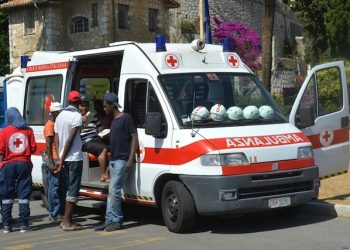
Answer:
(279, 202)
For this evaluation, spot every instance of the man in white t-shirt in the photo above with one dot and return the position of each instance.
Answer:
(70, 162)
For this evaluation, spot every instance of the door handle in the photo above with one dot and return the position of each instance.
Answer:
(344, 121)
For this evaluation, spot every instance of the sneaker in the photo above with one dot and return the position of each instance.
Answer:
(7, 229)
(113, 227)
(100, 227)
(24, 229)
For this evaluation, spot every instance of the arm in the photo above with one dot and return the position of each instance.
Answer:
(67, 147)
(133, 148)
(32, 143)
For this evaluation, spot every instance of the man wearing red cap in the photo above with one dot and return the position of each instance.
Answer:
(67, 140)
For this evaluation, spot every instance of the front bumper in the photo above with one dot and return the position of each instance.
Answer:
(250, 193)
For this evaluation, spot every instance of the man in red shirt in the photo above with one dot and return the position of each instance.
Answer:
(17, 144)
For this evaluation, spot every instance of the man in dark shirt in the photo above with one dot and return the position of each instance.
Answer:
(123, 144)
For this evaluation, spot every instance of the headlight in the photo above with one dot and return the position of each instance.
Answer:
(305, 152)
(236, 159)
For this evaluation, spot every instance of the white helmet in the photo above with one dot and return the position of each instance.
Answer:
(251, 112)
(200, 113)
(218, 112)
(235, 113)
(266, 112)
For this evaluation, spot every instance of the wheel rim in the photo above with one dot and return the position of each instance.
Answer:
(172, 206)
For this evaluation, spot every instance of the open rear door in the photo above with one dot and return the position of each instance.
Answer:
(324, 97)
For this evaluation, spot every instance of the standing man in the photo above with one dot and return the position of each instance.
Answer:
(123, 144)
(56, 195)
(17, 144)
(67, 140)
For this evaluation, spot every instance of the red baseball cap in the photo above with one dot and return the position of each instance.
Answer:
(74, 96)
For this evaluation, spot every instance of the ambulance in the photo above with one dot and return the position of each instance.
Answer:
(211, 139)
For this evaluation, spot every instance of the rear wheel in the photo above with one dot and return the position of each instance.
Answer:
(178, 208)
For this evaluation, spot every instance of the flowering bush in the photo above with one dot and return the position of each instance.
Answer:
(245, 41)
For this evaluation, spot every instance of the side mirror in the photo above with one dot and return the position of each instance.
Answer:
(305, 117)
(153, 124)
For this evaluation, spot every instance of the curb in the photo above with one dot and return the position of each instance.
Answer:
(327, 209)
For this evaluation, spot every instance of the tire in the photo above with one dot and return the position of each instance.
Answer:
(178, 208)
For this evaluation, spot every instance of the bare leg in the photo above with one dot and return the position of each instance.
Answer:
(102, 160)
(66, 223)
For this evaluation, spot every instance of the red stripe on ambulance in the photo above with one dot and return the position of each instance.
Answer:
(340, 136)
(45, 67)
(268, 166)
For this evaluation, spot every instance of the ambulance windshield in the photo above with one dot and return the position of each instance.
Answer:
(219, 99)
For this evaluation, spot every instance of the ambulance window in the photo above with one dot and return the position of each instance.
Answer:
(40, 92)
(94, 88)
(135, 100)
(309, 96)
(329, 89)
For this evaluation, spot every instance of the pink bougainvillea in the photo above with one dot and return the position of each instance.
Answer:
(245, 41)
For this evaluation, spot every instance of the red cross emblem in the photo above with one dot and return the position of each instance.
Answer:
(17, 142)
(232, 60)
(172, 61)
(326, 136)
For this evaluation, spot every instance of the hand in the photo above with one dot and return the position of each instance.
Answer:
(52, 167)
(59, 167)
(129, 165)
(85, 118)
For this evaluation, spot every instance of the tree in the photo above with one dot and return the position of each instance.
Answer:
(4, 44)
(328, 24)
(246, 42)
(267, 32)
(311, 14)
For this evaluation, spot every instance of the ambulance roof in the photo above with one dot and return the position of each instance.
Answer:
(178, 58)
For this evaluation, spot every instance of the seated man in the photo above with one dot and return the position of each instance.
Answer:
(92, 142)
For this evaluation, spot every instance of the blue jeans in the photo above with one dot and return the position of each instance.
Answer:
(15, 177)
(72, 171)
(57, 191)
(118, 175)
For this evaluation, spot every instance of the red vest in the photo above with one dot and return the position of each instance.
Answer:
(16, 145)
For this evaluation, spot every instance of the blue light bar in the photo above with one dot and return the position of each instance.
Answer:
(226, 44)
(24, 61)
(160, 43)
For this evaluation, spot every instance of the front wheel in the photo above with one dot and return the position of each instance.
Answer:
(178, 207)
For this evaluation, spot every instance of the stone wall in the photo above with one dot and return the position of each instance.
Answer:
(246, 11)
(52, 26)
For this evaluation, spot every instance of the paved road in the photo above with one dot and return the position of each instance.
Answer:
(145, 230)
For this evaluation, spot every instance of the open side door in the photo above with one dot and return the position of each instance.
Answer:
(321, 111)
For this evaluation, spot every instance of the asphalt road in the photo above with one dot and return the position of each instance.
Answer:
(144, 229)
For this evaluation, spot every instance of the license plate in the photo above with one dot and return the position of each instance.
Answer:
(279, 202)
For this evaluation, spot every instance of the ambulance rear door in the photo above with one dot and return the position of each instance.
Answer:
(321, 111)
(44, 83)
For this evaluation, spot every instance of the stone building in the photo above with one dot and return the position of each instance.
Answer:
(57, 25)
(286, 31)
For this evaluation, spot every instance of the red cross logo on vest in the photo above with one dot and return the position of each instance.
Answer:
(326, 136)
(232, 60)
(172, 61)
(17, 143)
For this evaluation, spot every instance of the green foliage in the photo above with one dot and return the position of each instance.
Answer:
(327, 23)
(329, 91)
(190, 27)
(4, 44)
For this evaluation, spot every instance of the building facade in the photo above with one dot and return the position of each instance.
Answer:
(61, 25)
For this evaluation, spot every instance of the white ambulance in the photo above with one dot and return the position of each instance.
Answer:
(211, 138)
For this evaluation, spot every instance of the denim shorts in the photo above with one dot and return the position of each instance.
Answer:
(73, 170)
